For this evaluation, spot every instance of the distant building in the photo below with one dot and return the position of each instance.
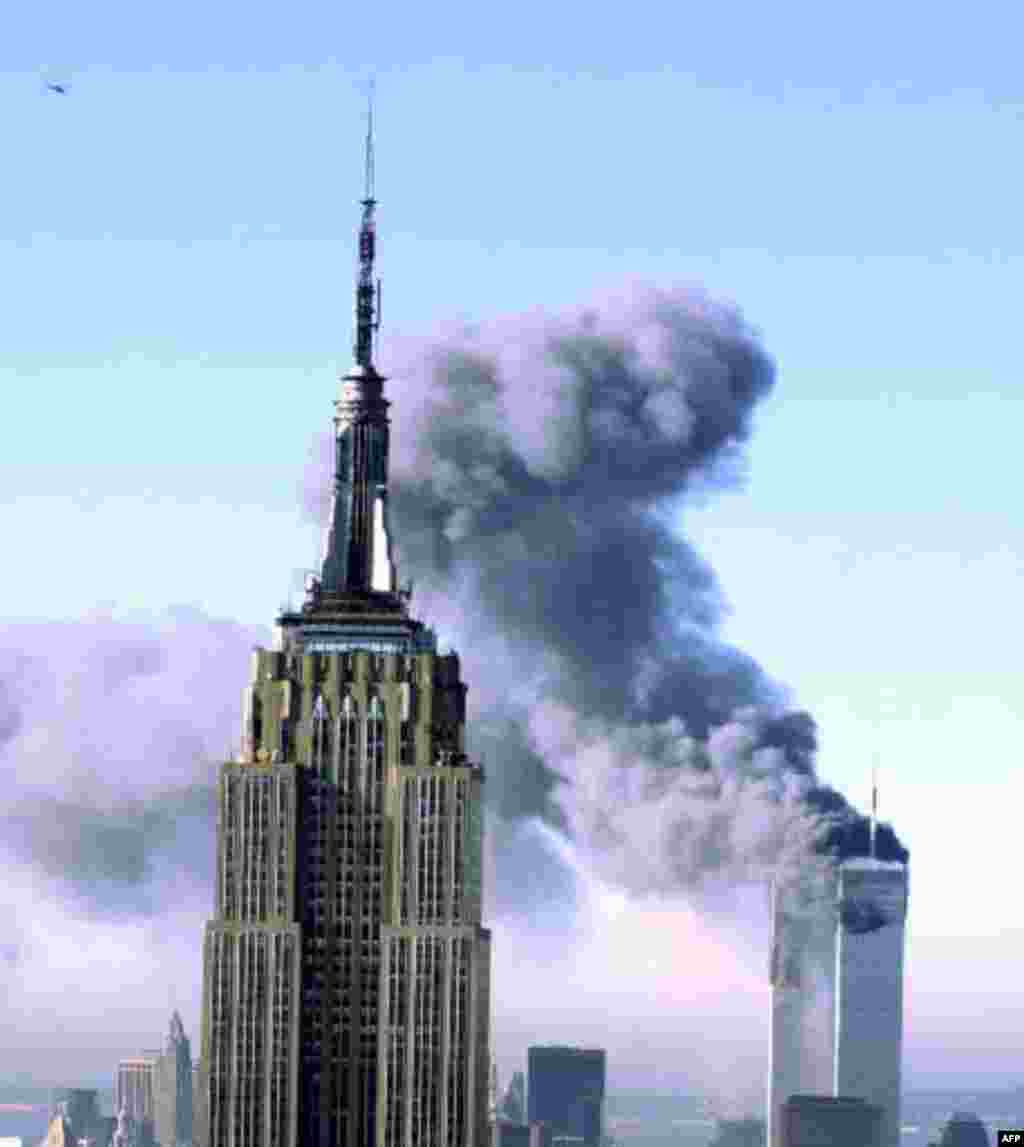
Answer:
(76, 1117)
(739, 1133)
(872, 909)
(133, 1091)
(199, 1134)
(565, 1091)
(802, 1033)
(58, 1132)
(964, 1129)
(122, 1136)
(513, 1105)
(505, 1133)
(830, 1121)
(172, 1089)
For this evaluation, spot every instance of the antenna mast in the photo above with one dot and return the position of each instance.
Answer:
(368, 197)
(367, 293)
(874, 808)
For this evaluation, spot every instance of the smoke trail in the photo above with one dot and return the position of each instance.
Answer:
(538, 463)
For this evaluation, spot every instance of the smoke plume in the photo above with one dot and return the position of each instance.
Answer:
(539, 467)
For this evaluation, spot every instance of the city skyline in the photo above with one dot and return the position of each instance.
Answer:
(831, 603)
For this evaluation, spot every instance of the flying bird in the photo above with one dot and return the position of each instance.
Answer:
(60, 89)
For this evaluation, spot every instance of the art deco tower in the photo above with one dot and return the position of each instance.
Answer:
(346, 974)
(172, 1089)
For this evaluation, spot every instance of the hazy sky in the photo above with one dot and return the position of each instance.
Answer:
(176, 237)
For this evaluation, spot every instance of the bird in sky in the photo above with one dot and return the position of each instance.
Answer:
(60, 89)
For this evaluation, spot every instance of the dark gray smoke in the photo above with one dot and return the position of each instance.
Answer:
(539, 464)
(539, 468)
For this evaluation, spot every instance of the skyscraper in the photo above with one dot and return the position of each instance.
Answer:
(964, 1129)
(346, 983)
(813, 1120)
(802, 1035)
(133, 1092)
(172, 1089)
(565, 1091)
(872, 903)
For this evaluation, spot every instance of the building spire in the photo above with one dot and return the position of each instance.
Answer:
(367, 292)
(357, 555)
(369, 142)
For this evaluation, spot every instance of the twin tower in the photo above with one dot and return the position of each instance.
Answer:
(346, 975)
(837, 992)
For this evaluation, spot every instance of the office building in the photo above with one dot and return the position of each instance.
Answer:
(199, 1132)
(508, 1133)
(76, 1116)
(872, 909)
(964, 1129)
(133, 1091)
(513, 1105)
(802, 997)
(172, 1089)
(565, 1091)
(346, 978)
(830, 1121)
(739, 1133)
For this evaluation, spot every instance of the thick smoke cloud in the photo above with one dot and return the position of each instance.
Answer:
(537, 466)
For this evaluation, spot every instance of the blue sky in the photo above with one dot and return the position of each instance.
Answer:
(176, 237)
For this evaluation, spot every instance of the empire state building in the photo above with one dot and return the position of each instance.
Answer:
(346, 975)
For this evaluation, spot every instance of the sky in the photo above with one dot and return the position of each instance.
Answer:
(177, 243)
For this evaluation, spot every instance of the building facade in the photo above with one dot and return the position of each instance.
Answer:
(565, 1092)
(77, 1118)
(802, 999)
(513, 1104)
(172, 1089)
(346, 982)
(510, 1133)
(133, 1087)
(872, 902)
(830, 1121)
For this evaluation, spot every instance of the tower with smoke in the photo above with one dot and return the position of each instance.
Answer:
(872, 908)
(837, 973)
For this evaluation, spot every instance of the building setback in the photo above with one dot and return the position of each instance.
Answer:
(346, 980)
